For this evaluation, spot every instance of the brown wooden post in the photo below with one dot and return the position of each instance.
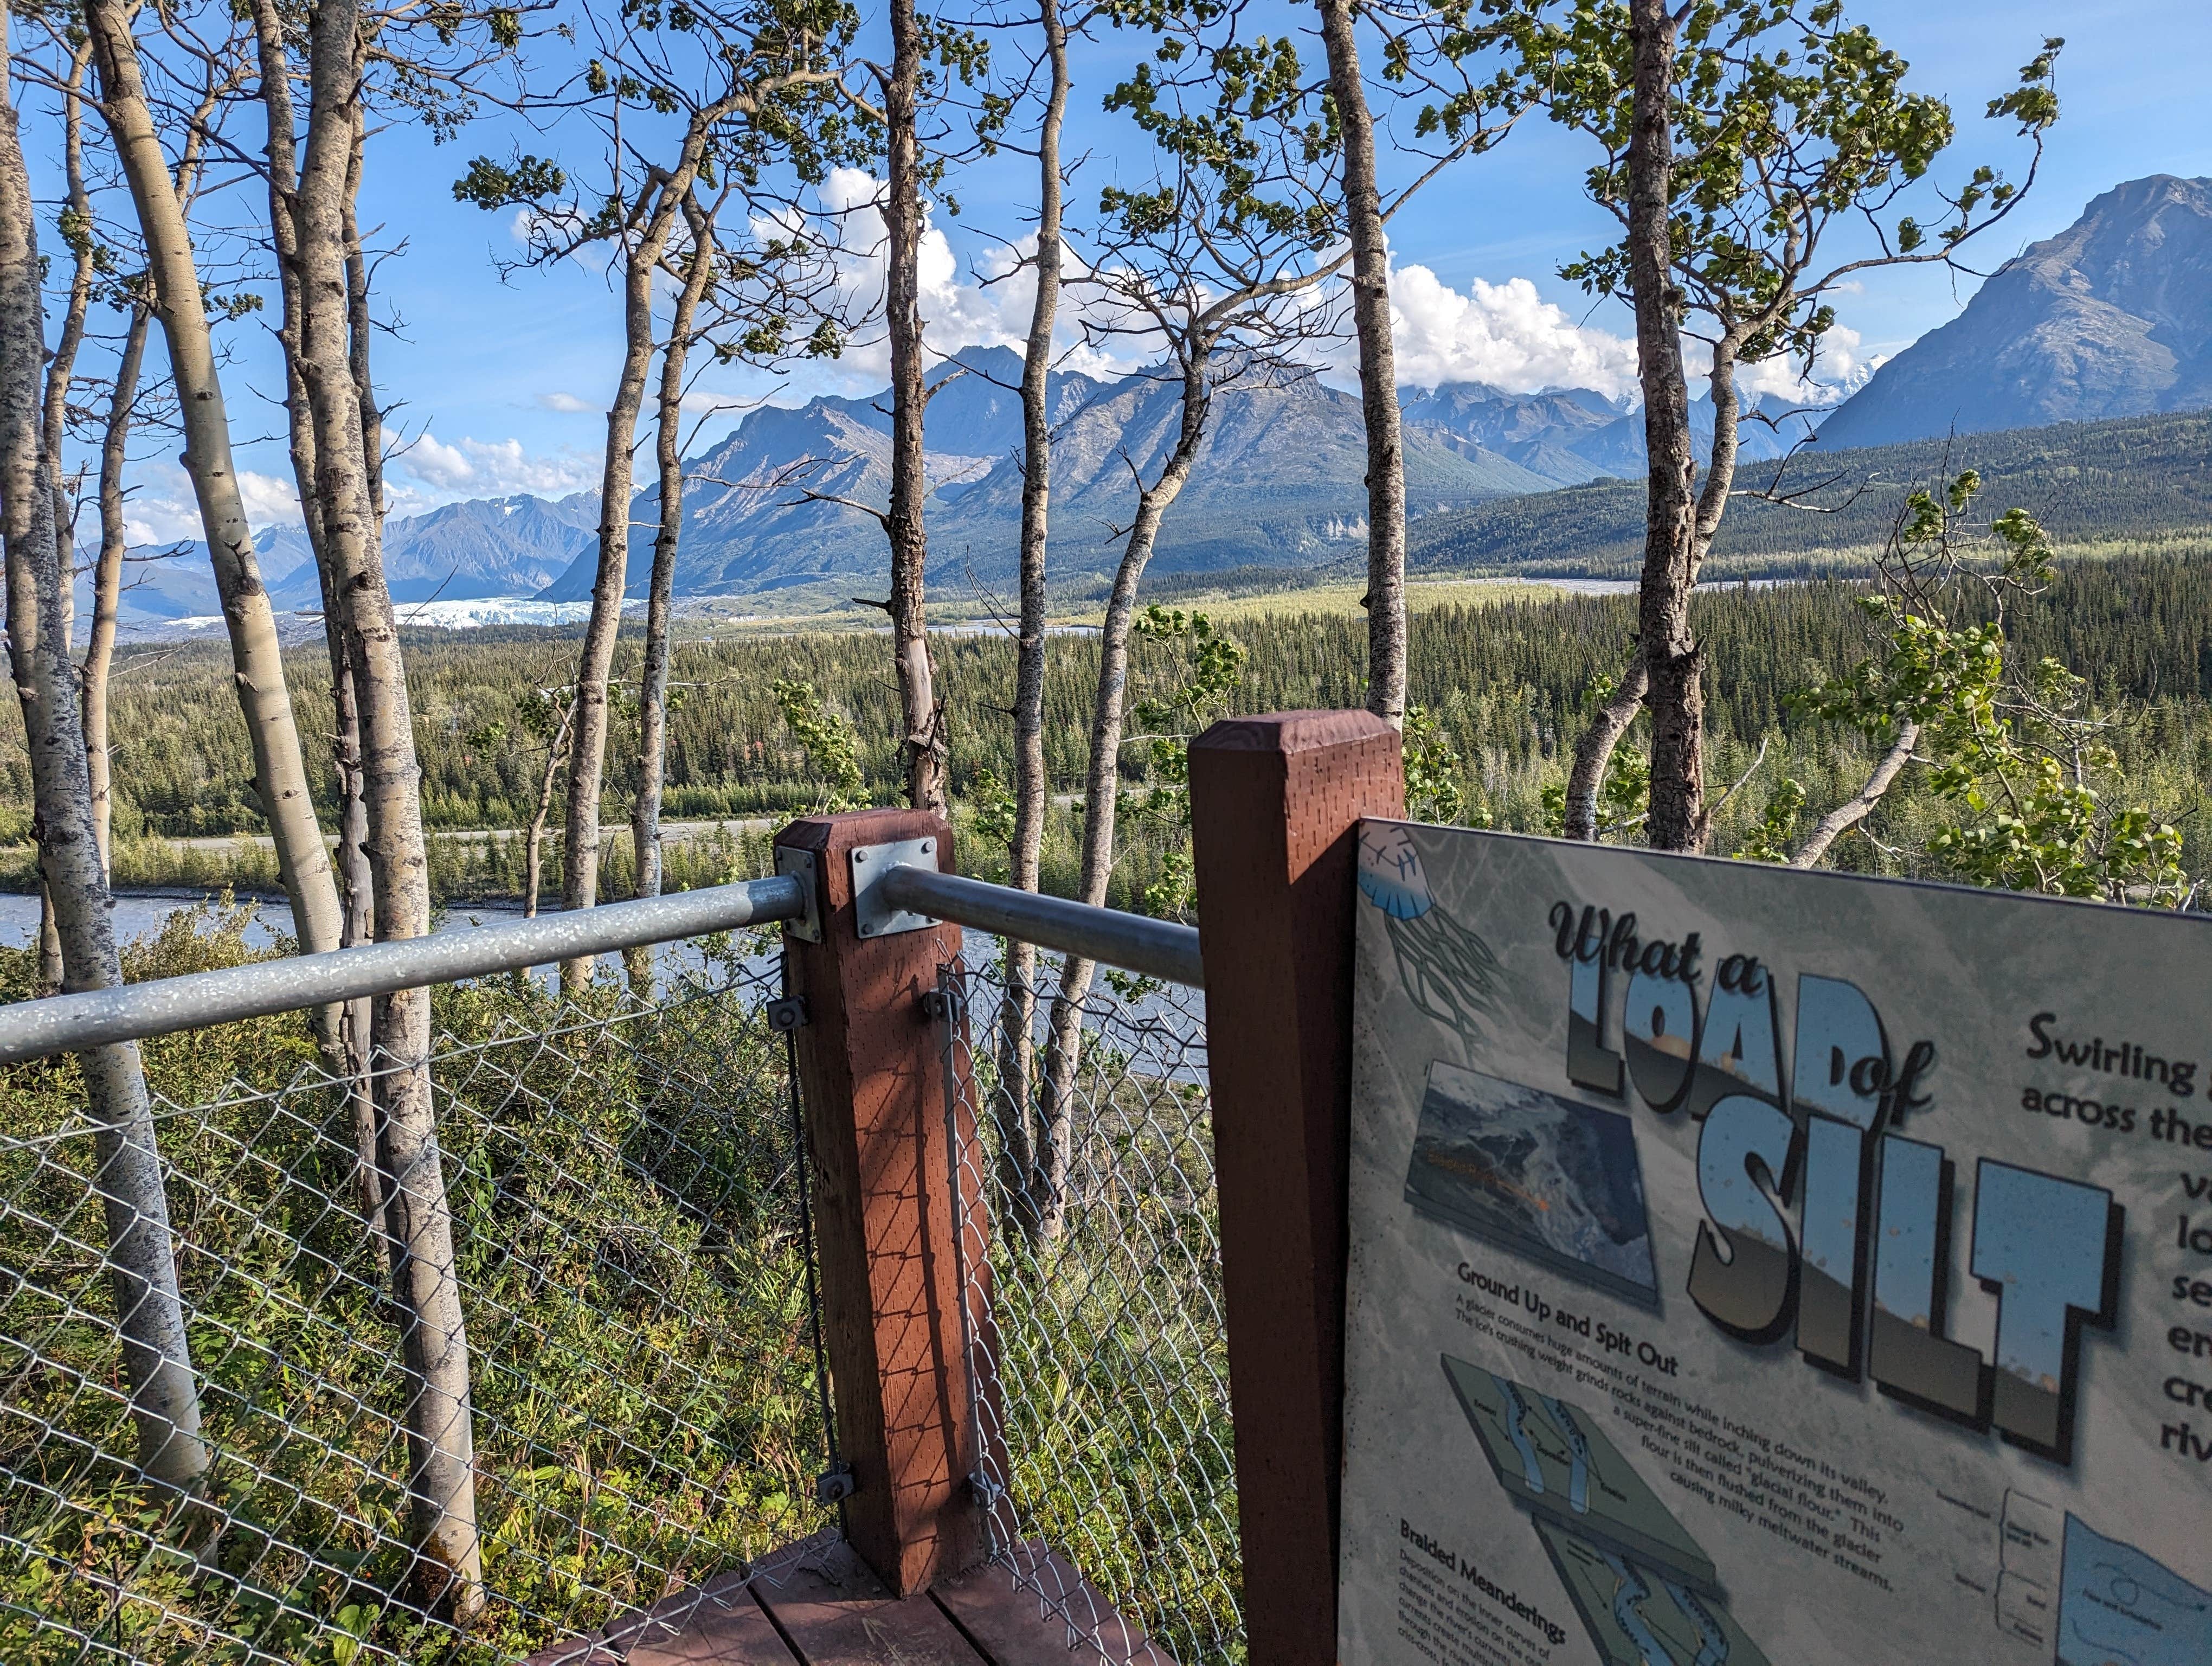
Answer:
(871, 1081)
(1275, 805)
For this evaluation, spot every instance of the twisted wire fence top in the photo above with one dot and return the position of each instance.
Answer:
(623, 1174)
(1094, 1314)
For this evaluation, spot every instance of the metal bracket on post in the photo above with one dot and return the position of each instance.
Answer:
(874, 915)
(834, 1485)
(800, 864)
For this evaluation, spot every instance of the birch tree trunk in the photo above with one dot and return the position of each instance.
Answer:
(107, 580)
(1032, 791)
(355, 885)
(1862, 803)
(1673, 664)
(350, 1031)
(142, 1262)
(652, 694)
(77, 232)
(1378, 371)
(920, 713)
(448, 1571)
(257, 659)
(533, 843)
(1101, 788)
(587, 735)
(360, 327)
(1594, 751)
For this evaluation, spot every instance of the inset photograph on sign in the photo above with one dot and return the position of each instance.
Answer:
(1535, 1172)
(2119, 1606)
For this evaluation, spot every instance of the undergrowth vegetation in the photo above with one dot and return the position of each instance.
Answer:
(646, 1410)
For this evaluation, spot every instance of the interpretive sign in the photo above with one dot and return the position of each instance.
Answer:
(1756, 1267)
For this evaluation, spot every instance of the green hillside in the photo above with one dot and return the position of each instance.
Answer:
(2142, 482)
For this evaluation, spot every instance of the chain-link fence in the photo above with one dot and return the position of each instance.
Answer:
(1094, 1317)
(632, 1254)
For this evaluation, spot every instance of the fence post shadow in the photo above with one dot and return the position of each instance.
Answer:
(1276, 803)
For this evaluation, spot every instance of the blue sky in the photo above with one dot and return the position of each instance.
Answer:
(502, 386)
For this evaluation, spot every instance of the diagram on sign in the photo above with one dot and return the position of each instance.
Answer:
(1545, 1177)
(1646, 1591)
(2118, 1607)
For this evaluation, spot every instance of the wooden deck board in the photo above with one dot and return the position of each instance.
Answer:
(816, 1603)
(836, 1613)
(1002, 1611)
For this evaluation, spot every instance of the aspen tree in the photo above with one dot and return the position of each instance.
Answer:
(157, 1364)
(280, 770)
(1737, 135)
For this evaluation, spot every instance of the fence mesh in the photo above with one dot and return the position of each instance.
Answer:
(1094, 1307)
(623, 1179)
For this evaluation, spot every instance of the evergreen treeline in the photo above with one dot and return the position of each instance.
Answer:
(1509, 682)
(2143, 481)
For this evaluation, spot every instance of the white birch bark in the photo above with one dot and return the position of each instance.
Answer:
(921, 714)
(107, 580)
(1032, 792)
(142, 1259)
(257, 658)
(346, 1034)
(653, 693)
(1101, 788)
(1378, 371)
(448, 1571)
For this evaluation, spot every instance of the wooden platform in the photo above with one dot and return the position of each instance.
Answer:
(816, 1604)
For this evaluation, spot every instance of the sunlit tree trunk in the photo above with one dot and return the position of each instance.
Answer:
(157, 1364)
(653, 692)
(533, 843)
(1032, 790)
(76, 233)
(1378, 371)
(448, 1571)
(257, 658)
(921, 716)
(350, 1028)
(1673, 666)
(107, 580)
(587, 734)
(1101, 788)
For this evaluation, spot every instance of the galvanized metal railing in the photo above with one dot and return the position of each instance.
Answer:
(94, 1017)
(630, 1241)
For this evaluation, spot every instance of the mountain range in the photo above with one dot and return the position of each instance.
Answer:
(2111, 319)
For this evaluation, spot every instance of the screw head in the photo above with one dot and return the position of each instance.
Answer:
(929, 846)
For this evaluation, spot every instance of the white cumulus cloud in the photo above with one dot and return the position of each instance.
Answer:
(496, 468)
(566, 403)
(162, 509)
(1506, 334)
(1839, 370)
(987, 304)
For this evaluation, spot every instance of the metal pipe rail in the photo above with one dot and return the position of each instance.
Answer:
(94, 1017)
(1157, 948)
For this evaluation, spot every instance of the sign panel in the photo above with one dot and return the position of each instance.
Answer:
(1753, 1267)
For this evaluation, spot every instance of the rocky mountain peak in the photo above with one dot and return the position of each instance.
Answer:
(2113, 317)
